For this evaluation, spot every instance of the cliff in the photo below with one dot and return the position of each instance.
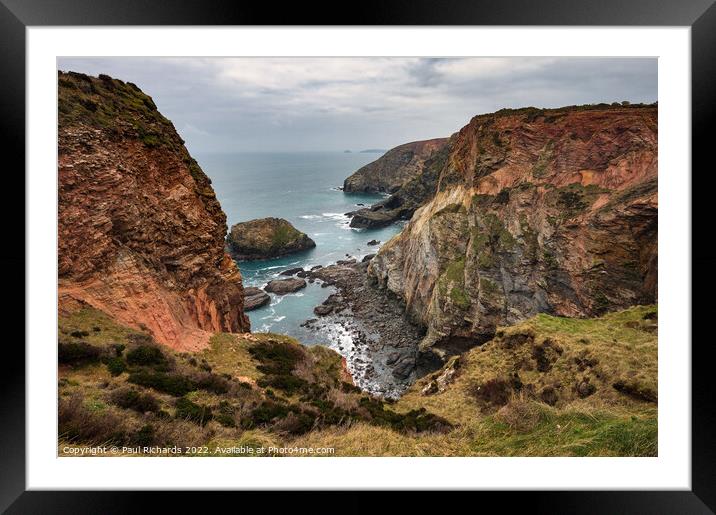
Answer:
(413, 193)
(266, 238)
(550, 211)
(390, 171)
(140, 231)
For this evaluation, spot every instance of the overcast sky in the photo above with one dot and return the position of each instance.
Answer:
(295, 104)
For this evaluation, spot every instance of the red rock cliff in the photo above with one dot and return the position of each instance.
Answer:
(141, 234)
(535, 211)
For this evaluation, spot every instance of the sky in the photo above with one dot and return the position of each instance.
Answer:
(336, 104)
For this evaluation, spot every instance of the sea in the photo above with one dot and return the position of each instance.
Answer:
(303, 188)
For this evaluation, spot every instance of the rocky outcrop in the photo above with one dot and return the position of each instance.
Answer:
(393, 169)
(255, 298)
(380, 343)
(419, 181)
(266, 238)
(535, 211)
(283, 286)
(140, 232)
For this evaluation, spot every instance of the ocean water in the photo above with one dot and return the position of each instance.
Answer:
(303, 189)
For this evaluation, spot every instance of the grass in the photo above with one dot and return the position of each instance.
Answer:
(506, 416)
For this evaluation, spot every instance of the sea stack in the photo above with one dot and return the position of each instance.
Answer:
(266, 238)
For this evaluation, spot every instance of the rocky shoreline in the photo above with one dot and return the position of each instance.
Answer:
(368, 328)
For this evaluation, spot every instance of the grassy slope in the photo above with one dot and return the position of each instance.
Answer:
(492, 414)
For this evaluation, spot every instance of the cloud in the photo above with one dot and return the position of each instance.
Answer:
(272, 104)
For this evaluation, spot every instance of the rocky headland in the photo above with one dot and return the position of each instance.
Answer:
(408, 172)
(389, 172)
(266, 238)
(140, 232)
(535, 211)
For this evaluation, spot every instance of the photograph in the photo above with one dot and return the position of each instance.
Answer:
(357, 256)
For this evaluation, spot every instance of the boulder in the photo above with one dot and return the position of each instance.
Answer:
(292, 271)
(255, 298)
(323, 310)
(283, 286)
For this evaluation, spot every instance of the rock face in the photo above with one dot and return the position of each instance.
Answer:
(140, 232)
(389, 172)
(266, 238)
(419, 180)
(283, 286)
(535, 211)
(255, 298)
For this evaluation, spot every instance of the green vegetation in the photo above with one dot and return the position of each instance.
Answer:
(197, 413)
(173, 384)
(77, 353)
(130, 398)
(575, 198)
(545, 157)
(520, 394)
(121, 109)
(146, 355)
(451, 209)
(489, 237)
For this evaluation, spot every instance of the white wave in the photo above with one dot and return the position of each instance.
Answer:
(278, 319)
(335, 216)
(310, 217)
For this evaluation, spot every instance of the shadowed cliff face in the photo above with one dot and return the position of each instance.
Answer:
(141, 234)
(535, 211)
(390, 171)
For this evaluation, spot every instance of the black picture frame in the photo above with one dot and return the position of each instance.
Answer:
(17, 15)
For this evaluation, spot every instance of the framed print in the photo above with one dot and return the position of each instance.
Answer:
(438, 249)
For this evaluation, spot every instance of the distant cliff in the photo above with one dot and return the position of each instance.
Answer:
(535, 211)
(141, 233)
(409, 172)
(390, 171)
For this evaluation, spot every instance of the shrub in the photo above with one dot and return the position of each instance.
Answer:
(295, 423)
(212, 383)
(76, 353)
(265, 413)
(225, 417)
(197, 413)
(173, 384)
(276, 357)
(77, 424)
(416, 421)
(146, 355)
(145, 436)
(288, 383)
(129, 398)
(115, 365)
(118, 348)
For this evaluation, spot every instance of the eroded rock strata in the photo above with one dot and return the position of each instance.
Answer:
(417, 182)
(140, 231)
(390, 171)
(534, 211)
